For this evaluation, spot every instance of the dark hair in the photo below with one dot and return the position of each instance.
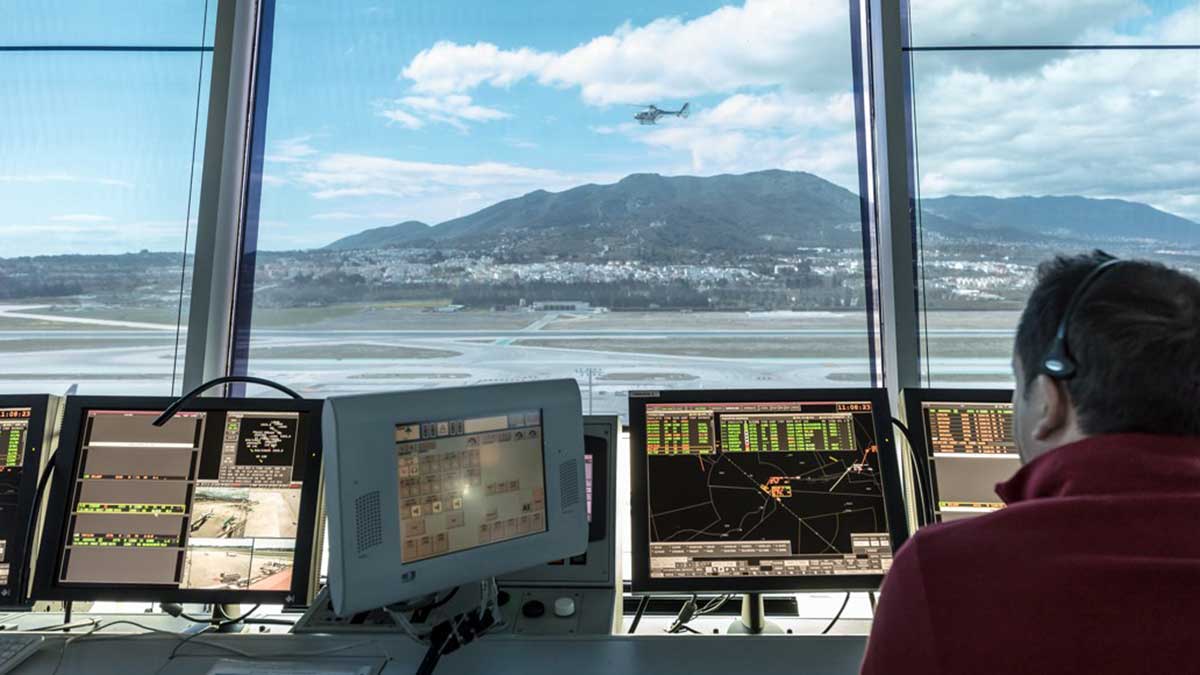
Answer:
(1135, 337)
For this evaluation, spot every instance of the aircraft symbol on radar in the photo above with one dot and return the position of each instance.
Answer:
(651, 114)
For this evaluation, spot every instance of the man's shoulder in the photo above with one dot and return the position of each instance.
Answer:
(969, 537)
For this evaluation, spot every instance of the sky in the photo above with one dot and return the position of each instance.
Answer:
(384, 112)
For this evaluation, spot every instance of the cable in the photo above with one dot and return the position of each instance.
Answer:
(265, 621)
(686, 613)
(475, 626)
(689, 612)
(845, 601)
(184, 641)
(187, 220)
(156, 633)
(32, 522)
(91, 635)
(176, 610)
(421, 614)
(713, 605)
(637, 616)
(228, 621)
(925, 513)
(449, 596)
(183, 400)
(249, 655)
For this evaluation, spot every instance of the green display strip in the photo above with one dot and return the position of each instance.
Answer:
(125, 540)
(141, 509)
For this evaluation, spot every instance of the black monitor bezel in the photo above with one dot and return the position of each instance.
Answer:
(914, 399)
(894, 506)
(35, 442)
(46, 583)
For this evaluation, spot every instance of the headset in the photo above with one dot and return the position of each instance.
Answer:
(1058, 363)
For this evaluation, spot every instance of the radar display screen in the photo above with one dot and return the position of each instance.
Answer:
(771, 489)
(971, 449)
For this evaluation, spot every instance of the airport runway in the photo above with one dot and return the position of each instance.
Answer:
(476, 356)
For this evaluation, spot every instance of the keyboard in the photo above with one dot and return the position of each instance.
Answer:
(15, 648)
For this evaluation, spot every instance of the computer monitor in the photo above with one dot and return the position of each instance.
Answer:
(968, 444)
(216, 506)
(763, 490)
(28, 433)
(433, 488)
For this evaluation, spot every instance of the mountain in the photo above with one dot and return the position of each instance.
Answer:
(1062, 216)
(646, 212)
(648, 216)
(382, 237)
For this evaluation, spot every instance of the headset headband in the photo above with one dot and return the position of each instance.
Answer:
(1058, 363)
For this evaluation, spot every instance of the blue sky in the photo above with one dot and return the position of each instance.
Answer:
(382, 112)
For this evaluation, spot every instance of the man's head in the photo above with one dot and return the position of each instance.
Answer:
(1135, 339)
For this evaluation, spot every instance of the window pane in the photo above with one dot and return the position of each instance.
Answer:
(1053, 22)
(1017, 162)
(466, 197)
(106, 22)
(95, 162)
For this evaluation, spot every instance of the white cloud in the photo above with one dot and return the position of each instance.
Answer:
(1105, 124)
(801, 45)
(448, 67)
(387, 190)
(954, 22)
(407, 120)
(65, 237)
(353, 175)
(291, 150)
(746, 132)
(454, 109)
(80, 218)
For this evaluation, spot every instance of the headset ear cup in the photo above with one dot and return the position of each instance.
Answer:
(1057, 364)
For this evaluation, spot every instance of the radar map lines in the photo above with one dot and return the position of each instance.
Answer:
(812, 498)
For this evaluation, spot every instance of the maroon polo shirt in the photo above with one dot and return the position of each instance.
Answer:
(1093, 567)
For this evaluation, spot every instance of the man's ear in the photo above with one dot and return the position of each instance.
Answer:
(1055, 407)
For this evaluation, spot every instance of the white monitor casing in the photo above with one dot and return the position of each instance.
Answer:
(366, 569)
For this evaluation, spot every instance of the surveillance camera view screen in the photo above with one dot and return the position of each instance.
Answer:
(972, 449)
(776, 489)
(211, 500)
(469, 482)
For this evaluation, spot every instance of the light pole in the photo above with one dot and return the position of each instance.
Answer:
(589, 373)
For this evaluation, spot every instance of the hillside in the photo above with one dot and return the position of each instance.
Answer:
(648, 216)
(646, 212)
(1078, 217)
(382, 237)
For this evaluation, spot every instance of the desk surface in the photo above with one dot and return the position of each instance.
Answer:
(660, 655)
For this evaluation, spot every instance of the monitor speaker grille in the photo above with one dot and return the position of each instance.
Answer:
(568, 479)
(368, 523)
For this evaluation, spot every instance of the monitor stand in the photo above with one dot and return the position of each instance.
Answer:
(754, 618)
(222, 613)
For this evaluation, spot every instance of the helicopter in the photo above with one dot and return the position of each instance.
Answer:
(651, 114)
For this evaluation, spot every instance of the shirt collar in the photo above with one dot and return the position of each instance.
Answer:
(1107, 465)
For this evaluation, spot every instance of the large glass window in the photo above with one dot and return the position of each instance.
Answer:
(102, 112)
(638, 195)
(1058, 128)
